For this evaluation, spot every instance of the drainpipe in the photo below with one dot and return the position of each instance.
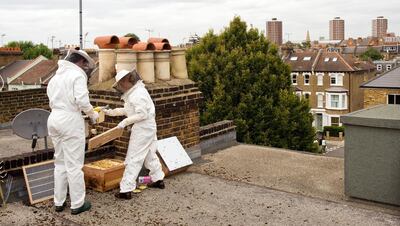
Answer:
(350, 91)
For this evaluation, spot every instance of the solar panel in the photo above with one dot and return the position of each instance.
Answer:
(39, 179)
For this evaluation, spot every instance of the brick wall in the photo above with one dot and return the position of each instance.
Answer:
(216, 136)
(7, 57)
(13, 102)
(374, 97)
(177, 113)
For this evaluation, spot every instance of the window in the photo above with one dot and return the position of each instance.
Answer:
(336, 79)
(326, 59)
(379, 67)
(394, 99)
(307, 58)
(307, 96)
(320, 100)
(333, 80)
(298, 94)
(293, 58)
(334, 59)
(335, 121)
(306, 79)
(294, 78)
(336, 101)
(388, 67)
(320, 79)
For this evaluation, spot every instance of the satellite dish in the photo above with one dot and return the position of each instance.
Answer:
(31, 124)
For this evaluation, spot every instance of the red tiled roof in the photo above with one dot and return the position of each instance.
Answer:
(300, 64)
(38, 73)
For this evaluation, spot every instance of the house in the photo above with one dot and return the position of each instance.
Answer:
(383, 89)
(27, 74)
(331, 82)
(386, 65)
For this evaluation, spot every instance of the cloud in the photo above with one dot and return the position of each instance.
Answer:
(177, 19)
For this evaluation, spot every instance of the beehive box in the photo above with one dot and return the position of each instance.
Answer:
(103, 175)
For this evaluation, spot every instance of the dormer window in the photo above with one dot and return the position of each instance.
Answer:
(293, 58)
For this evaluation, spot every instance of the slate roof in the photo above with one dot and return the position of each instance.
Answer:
(388, 80)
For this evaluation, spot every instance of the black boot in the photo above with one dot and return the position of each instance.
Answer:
(158, 184)
(85, 207)
(61, 208)
(124, 195)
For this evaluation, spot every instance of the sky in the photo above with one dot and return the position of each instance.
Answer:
(39, 20)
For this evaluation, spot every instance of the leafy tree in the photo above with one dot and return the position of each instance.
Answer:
(306, 45)
(30, 50)
(23, 45)
(371, 54)
(243, 78)
(133, 36)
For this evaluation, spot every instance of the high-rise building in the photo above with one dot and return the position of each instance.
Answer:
(379, 27)
(336, 29)
(274, 31)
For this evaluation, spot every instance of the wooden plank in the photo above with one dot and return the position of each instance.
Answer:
(39, 180)
(104, 138)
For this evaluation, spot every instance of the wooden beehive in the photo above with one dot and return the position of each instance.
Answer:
(103, 175)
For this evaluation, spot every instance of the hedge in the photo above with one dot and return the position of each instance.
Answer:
(334, 130)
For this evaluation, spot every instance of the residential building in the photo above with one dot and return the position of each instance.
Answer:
(383, 89)
(27, 74)
(274, 31)
(386, 65)
(336, 29)
(379, 27)
(331, 82)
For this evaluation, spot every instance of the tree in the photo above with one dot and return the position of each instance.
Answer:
(371, 54)
(306, 45)
(30, 50)
(133, 36)
(243, 78)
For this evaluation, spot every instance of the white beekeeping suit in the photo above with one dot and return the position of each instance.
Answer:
(68, 96)
(140, 111)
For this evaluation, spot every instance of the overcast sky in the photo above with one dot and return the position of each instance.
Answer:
(38, 20)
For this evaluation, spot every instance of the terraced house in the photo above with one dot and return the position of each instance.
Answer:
(331, 82)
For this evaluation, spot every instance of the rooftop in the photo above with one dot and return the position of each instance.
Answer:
(323, 61)
(241, 185)
(388, 80)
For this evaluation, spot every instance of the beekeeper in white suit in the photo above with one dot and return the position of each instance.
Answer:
(140, 112)
(68, 97)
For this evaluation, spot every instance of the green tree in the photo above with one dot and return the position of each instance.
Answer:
(243, 78)
(133, 36)
(306, 45)
(371, 54)
(30, 50)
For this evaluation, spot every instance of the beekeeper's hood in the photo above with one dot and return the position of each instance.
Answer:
(84, 55)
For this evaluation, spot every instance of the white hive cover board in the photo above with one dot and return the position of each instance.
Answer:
(173, 154)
